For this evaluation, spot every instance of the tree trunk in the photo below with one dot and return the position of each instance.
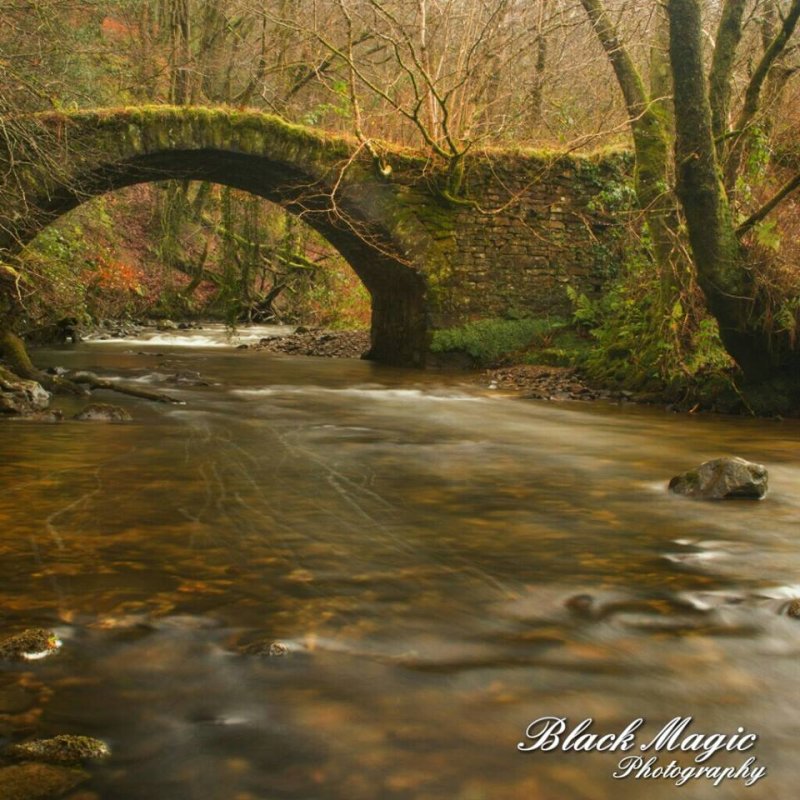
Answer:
(650, 124)
(13, 350)
(718, 257)
(753, 95)
(729, 35)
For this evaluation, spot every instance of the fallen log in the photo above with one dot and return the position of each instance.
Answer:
(93, 382)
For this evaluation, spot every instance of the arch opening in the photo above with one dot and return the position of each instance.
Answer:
(398, 328)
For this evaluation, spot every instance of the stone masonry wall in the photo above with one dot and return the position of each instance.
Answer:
(540, 227)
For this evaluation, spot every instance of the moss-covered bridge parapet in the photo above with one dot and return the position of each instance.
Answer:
(528, 226)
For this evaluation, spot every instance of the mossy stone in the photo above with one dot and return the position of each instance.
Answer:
(63, 749)
(29, 645)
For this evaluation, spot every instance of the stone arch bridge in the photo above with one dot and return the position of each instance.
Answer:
(527, 227)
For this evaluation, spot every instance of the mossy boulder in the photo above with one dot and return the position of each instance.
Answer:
(21, 396)
(38, 781)
(31, 644)
(722, 479)
(61, 750)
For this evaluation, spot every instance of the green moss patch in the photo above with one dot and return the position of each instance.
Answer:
(491, 342)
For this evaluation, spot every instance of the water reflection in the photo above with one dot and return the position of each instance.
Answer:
(443, 567)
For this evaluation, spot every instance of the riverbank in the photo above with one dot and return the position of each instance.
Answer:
(531, 381)
(536, 381)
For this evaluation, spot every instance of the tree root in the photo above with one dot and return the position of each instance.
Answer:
(13, 350)
(93, 382)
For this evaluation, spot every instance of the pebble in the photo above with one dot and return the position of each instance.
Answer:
(541, 382)
(319, 342)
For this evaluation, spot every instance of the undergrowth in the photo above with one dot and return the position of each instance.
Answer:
(497, 341)
(672, 353)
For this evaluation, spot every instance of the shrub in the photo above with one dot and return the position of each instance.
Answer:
(642, 346)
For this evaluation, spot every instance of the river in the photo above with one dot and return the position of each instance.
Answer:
(414, 543)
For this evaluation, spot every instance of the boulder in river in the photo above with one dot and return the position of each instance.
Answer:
(20, 396)
(103, 412)
(63, 749)
(29, 645)
(722, 479)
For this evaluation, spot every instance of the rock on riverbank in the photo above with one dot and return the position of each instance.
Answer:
(19, 396)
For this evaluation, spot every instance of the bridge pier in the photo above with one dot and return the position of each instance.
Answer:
(399, 331)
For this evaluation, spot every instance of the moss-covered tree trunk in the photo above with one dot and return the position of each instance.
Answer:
(13, 350)
(650, 123)
(718, 256)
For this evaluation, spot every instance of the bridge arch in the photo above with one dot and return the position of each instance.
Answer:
(426, 263)
(318, 178)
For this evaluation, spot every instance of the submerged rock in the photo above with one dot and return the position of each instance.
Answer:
(582, 605)
(51, 415)
(63, 749)
(265, 648)
(103, 412)
(20, 396)
(16, 699)
(722, 479)
(188, 378)
(29, 645)
(793, 608)
(38, 781)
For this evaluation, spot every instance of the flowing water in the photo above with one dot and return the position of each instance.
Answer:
(414, 543)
